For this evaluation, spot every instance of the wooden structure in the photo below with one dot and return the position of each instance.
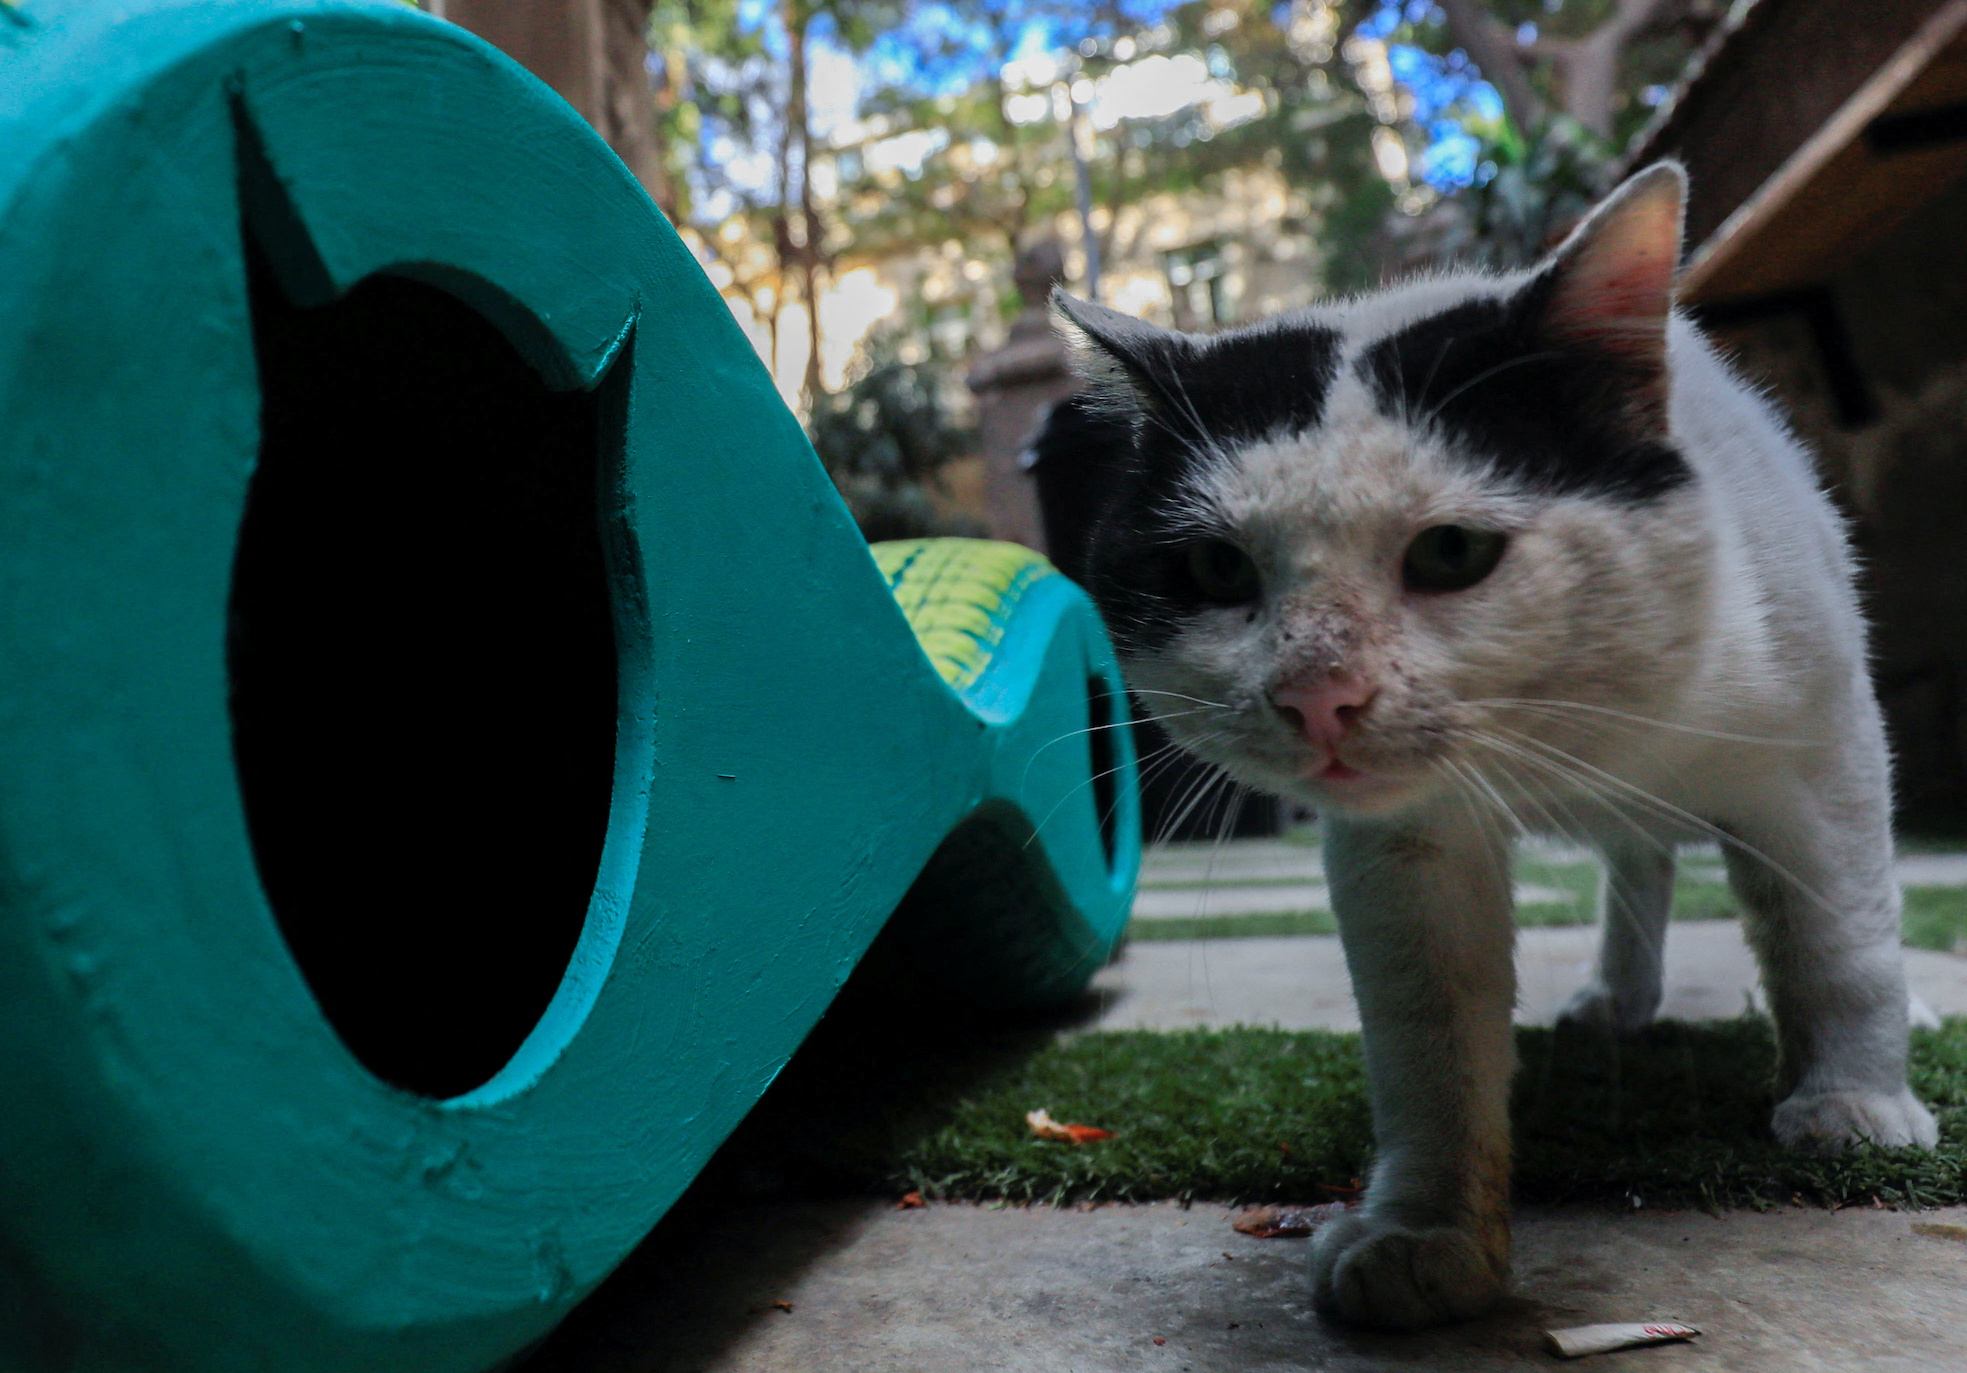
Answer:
(1826, 144)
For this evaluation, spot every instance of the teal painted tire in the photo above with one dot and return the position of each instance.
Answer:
(383, 951)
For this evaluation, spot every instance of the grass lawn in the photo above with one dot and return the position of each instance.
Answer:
(1935, 917)
(885, 1099)
(1695, 897)
(892, 1094)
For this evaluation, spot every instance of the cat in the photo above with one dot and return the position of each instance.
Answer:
(1481, 554)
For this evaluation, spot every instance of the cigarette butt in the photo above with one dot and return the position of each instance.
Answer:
(1581, 1340)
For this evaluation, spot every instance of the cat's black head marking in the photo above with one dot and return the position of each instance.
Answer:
(1163, 406)
(1540, 411)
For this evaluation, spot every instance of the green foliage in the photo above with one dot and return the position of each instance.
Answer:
(992, 184)
(885, 439)
(1936, 918)
(1543, 185)
(1260, 924)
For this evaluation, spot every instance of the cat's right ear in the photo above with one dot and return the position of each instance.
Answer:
(1129, 366)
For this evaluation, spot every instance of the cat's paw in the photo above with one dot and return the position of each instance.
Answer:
(1826, 1122)
(1596, 1006)
(1394, 1277)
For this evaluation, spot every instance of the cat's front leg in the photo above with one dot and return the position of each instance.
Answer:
(1624, 993)
(1424, 913)
(1813, 869)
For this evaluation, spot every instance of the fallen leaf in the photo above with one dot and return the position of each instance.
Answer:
(1160, 1340)
(1043, 1126)
(909, 1201)
(784, 1306)
(1286, 1222)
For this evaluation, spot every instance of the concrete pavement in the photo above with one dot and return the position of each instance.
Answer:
(957, 1289)
(1300, 982)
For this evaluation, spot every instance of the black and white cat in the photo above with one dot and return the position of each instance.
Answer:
(1481, 553)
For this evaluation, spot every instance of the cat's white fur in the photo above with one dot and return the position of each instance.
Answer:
(1711, 654)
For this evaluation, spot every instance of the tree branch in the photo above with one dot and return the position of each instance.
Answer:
(1493, 49)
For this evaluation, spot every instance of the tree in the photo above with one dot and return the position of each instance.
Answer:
(739, 95)
(1588, 58)
(885, 439)
(1001, 165)
(1533, 98)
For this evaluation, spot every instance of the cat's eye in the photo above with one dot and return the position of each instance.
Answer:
(1222, 572)
(1451, 557)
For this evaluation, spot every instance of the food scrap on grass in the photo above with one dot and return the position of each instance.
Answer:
(1044, 1127)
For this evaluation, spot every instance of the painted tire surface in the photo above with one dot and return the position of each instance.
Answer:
(409, 878)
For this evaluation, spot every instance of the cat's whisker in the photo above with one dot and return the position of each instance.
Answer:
(1180, 696)
(1555, 706)
(1569, 766)
(1427, 385)
(1485, 787)
(1213, 786)
(1198, 792)
(1037, 829)
(1608, 909)
(1032, 761)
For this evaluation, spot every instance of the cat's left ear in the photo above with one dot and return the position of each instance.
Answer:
(1609, 289)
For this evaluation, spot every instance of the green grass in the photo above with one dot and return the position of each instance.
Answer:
(886, 1100)
(1233, 926)
(1936, 918)
(1694, 898)
(1676, 1117)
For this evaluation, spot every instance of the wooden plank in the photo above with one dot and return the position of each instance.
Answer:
(1840, 191)
(1776, 77)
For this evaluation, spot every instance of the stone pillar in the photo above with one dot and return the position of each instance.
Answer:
(1014, 386)
(594, 53)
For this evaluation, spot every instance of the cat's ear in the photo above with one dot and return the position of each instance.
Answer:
(1608, 289)
(1129, 365)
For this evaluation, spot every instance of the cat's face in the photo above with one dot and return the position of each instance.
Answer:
(1429, 541)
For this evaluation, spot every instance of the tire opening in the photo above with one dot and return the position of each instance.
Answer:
(423, 669)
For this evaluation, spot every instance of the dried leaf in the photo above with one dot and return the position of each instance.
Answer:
(1044, 1127)
(910, 1201)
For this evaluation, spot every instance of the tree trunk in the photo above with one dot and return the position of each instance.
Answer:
(798, 117)
(1588, 69)
(595, 54)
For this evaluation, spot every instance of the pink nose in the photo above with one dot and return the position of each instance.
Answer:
(1323, 710)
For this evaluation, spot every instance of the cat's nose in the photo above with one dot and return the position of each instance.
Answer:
(1325, 709)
